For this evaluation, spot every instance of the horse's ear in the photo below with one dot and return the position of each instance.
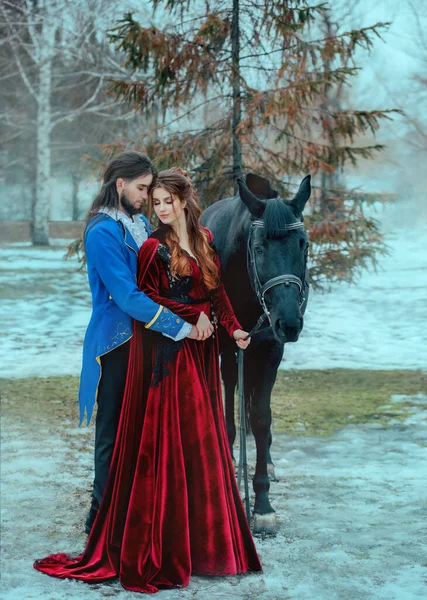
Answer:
(255, 206)
(260, 187)
(303, 194)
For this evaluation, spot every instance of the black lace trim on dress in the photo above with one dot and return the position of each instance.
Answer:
(166, 348)
(179, 287)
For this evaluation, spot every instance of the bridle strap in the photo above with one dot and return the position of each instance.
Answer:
(286, 279)
(288, 227)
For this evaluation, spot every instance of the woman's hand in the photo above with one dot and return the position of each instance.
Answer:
(240, 335)
(204, 327)
(194, 334)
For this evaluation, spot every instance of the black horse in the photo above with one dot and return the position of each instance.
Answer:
(263, 249)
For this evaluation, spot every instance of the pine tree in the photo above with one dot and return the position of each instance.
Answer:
(243, 86)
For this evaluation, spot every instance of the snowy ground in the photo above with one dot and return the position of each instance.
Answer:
(351, 508)
(378, 323)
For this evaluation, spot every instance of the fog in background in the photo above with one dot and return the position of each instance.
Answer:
(378, 323)
(392, 75)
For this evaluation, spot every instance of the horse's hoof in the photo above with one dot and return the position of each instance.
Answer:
(265, 524)
(271, 472)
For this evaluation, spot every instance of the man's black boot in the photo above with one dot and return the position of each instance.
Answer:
(91, 516)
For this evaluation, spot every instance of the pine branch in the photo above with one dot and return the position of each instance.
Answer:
(288, 126)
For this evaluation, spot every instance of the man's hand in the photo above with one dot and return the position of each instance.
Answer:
(240, 335)
(204, 327)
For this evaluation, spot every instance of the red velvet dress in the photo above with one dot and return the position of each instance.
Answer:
(171, 506)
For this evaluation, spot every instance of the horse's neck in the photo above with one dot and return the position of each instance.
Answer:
(230, 224)
(238, 286)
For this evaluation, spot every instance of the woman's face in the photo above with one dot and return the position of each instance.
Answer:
(168, 207)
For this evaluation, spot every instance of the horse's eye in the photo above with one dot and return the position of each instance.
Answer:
(258, 249)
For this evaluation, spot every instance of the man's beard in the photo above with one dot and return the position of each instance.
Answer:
(129, 208)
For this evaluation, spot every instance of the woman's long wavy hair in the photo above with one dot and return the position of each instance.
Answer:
(127, 165)
(178, 184)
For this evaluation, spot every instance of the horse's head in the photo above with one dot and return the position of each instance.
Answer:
(277, 253)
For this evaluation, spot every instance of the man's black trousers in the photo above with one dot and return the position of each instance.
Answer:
(110, 397)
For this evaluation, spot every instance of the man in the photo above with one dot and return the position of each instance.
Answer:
(114, 233)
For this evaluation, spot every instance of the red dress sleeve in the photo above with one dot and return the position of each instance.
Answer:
(220, 301)
(149, 282)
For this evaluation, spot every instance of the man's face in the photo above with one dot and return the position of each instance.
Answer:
(133, 194)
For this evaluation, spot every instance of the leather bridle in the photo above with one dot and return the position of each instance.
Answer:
(286, 279)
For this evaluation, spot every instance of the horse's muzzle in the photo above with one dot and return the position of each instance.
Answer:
(287, 332)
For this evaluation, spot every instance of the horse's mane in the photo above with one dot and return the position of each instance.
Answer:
(277, 215)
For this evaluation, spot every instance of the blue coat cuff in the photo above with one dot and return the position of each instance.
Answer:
(183, 332)
(166, 322)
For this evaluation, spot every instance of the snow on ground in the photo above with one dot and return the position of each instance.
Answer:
(351, 510)
(351, 507)
(45, 306)
(378, 323)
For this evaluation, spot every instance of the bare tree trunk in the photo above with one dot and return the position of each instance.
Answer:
(237, 109)
(330, 181)
(75, 196)
(43, 158)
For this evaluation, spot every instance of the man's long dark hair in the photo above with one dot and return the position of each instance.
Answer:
(127, 165)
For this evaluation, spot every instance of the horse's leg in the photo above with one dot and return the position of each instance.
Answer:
(270, 464)
(264, 362)
(229, 378)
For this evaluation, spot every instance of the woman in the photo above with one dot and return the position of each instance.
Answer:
(171, 506)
